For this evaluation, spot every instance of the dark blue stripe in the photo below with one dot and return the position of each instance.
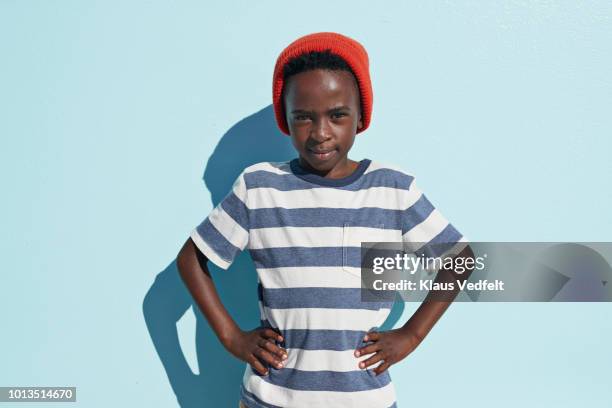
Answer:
(315, 297)
(215, 240)
(349, 381)
(236, 209)
(320, 339)
(307, 175)
(326, 217)
(371, 217)
(259, 291)
(298, 256)
(288, 182)
(316, 256)
(416, 213)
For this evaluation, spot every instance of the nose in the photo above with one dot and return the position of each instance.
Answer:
(320, 130)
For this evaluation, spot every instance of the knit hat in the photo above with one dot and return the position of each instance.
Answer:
(348, 49)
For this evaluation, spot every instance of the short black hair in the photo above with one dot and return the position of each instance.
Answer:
(315, 60)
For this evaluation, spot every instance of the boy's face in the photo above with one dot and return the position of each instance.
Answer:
(323, 115)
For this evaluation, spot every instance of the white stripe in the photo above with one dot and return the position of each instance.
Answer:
(326, 318)
(239, 188)
(278, 237)
(230, 229)
(380, 197)
(309, 276)
(326, 360)
(280, 168)
(425, 231)
(262, 312)
(208, 251)
(285, 397)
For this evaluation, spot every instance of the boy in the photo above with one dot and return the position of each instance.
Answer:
(303, 222)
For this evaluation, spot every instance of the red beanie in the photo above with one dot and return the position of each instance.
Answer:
(348, 49)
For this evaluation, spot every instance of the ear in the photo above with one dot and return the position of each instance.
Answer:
(359, 123)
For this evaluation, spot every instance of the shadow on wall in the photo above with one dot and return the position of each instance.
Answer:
(252, 140)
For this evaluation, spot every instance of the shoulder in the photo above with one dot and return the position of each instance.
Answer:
(265, 174)
(279, 168)
(391, 174)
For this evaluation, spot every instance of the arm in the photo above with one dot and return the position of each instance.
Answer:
(247, 346)
(193, 268)
(430, 311)
(394, 345)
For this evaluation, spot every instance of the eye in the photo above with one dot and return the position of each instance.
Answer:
(338, 114)
(301, 117)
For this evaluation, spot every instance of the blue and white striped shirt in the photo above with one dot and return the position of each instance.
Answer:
(304, 234)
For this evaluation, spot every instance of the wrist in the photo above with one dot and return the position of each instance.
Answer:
(413, 331)
(227, 336)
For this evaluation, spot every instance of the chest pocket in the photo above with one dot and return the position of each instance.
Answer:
(353, 236)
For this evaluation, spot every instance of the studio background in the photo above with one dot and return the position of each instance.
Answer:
(123, 123)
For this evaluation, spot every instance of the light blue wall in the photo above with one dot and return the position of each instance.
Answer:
(123, 122)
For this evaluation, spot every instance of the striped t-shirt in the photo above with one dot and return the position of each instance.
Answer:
(304, 232)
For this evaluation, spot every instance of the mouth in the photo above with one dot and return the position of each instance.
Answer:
(321, 154)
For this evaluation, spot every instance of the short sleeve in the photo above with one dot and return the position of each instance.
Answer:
(225, 232)
(425, 231)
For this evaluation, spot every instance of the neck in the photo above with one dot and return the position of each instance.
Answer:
(342, 169)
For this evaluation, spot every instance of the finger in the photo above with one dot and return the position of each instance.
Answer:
(374, 347)
(256, 364)
(371, 336)
(268, 357)
(374, 359)
(269, 333)
(273, 348)
(381, 368)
